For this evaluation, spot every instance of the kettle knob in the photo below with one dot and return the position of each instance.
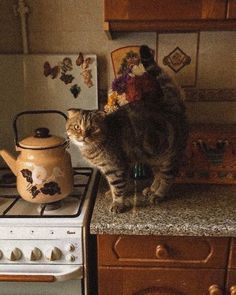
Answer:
(42, 132)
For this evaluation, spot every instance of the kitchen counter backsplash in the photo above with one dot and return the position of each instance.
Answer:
(220, 94)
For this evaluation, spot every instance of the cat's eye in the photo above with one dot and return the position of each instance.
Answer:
(76, 127)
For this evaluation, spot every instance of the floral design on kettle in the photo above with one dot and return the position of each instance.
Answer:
(39, 182)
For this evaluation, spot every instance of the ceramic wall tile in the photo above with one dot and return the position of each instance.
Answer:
(177, 54)
(217, 60)
(59, 26)
(51, 82)
(128, 39)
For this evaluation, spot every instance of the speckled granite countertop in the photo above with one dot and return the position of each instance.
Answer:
(191, 210)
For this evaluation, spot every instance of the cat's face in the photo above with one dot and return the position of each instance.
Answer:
(85, 127)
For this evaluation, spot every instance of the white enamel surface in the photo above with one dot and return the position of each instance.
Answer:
(57, 288)
(52, 251)
(68, 234)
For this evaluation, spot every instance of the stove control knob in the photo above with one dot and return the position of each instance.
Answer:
(14, 254)
(70, 258)
(53, 254)
(70, 247)
(34, 254)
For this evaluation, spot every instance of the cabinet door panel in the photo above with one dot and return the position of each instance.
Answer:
(154, 281)
(163, 251)
(138, 10)
(231, 282)
(232, 254)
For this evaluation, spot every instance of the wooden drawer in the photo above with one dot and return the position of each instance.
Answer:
(162, 251)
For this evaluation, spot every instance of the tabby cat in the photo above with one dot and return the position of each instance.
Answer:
(152, 131)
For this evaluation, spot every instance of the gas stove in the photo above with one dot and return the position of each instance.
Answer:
(13, 206)
(45, 242)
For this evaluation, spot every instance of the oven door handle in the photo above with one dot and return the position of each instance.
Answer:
(20, 275)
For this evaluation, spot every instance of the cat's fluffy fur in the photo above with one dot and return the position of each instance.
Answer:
(152, 131)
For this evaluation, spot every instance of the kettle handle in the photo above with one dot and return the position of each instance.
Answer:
(30, 113)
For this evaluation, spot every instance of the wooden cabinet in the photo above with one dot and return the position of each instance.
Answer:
(231, 9)
(168, 15)
(138, 10)
(160, 265)
(231, 282)
(231, 274)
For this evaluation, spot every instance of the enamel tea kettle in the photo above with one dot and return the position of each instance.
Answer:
(43, 168)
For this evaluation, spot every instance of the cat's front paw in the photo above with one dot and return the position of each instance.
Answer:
(117, 207)
(147, 192)
(153, 197)
(156, 199)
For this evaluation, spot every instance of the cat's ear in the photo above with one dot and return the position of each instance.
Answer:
(72, 112)
(98, 118)
(101, 114)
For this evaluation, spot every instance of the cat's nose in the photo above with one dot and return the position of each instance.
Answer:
(84, 135)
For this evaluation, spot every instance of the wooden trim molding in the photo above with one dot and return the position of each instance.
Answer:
(27, 278)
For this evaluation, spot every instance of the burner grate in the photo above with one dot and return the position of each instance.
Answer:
(82, 179)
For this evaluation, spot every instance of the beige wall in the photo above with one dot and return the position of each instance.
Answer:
(71, 26)
(10, 39)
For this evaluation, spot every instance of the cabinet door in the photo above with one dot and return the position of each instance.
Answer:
(231, 282)
(148, 10)
(231, 13)
(154, 281)
(232, 254)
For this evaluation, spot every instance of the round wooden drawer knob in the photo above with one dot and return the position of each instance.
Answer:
(162, 252)
(215, 290)
(233, 290)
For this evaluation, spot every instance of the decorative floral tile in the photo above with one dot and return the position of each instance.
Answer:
(121, 57)
(177, 54)
(176, 60)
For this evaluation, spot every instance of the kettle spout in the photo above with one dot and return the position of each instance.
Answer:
(10, 160)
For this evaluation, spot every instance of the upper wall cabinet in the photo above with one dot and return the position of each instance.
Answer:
(231, 9)
(169, 15)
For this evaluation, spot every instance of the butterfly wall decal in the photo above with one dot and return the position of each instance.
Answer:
(50, 71)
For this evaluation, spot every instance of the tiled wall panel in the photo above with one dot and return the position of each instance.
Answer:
(59, 26)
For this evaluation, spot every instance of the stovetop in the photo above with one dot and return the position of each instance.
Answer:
(13, 206)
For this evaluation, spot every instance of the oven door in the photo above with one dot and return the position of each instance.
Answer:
(36, 280)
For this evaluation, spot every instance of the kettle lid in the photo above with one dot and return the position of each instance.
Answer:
(42, 139)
